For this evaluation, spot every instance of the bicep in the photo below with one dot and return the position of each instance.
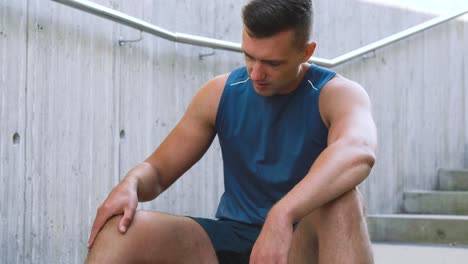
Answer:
(348, 114)
(356, 127)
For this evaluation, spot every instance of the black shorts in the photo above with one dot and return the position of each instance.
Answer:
(232, 241)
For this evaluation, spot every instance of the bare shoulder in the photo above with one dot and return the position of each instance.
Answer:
(215, 86)
(341, 87)
(341, 96)
(206, 100)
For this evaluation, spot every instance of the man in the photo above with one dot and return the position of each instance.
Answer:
(296, 141)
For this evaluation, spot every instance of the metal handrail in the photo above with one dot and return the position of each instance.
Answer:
(136, 23)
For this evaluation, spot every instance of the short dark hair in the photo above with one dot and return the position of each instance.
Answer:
(265, 18)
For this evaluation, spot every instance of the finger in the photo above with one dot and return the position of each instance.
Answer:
(99, 222)
(126, 219)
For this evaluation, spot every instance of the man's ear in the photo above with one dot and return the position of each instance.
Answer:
(309, 50)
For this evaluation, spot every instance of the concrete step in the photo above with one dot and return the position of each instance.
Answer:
(393, 253)
(435, 202)
(421, 229)
(453, 180)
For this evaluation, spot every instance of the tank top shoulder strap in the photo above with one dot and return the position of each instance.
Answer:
(318, 76)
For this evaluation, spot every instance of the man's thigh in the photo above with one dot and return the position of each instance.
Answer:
(153, 237)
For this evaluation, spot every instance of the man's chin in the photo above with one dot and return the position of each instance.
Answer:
(263, 92)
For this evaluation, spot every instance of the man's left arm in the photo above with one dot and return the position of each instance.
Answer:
(346, 110)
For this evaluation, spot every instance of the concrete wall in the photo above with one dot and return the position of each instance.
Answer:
(77, 110)
(417, 88)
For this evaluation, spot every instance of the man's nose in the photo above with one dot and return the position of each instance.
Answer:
(257, 73)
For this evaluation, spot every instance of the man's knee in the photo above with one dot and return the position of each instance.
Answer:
(110, 228)
(112, 224)
(105, 241)
(113, 246)
(346, 210)
(153, 237)
(350, 202)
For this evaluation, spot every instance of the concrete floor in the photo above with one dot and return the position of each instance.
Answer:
(413, 254)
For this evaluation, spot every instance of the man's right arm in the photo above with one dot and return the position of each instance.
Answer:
(181, 149)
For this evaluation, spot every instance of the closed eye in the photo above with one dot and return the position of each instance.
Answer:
(272, 63)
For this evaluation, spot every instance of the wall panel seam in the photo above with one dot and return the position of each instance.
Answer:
(25, 129)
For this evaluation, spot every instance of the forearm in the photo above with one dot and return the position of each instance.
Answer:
(144, 177)
(338, 169)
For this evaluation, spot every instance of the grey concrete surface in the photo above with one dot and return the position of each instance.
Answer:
(435, 202)
(413, 254)
(453, 180)
(408, 228)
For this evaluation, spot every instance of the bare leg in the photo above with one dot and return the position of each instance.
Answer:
(153, 237)
(334, 233)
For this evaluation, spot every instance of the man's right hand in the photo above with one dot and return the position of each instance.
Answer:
(122, 200)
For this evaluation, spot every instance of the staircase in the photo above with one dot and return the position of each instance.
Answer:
(433, 217)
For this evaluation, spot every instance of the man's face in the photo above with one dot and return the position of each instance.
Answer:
(273, 63)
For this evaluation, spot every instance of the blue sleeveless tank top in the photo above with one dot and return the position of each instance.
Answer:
(268, 144)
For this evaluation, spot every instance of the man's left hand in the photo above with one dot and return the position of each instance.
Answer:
(274, 241)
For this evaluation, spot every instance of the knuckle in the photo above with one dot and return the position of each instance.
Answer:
(104, 207)
(128, 218)
(100, 208)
